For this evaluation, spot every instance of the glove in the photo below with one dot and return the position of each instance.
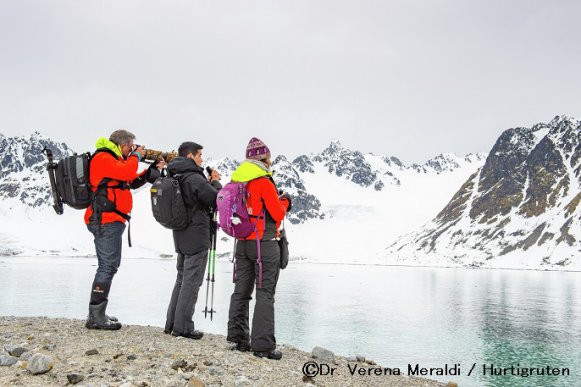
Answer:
(286, 196)
(136, 154)
(152, 173)
(213, 226)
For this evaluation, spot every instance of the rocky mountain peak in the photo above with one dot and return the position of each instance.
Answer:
(22, 163)
(526, 196)
(446, 162)
(562, 120)
(349, 164)
(225, 166)
(393, 161)
(304, 205)
(304, 164)
(335, 144)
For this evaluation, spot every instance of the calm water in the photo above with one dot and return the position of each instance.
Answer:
(394, 315)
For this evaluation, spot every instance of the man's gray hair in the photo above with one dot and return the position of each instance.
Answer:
(121, 136)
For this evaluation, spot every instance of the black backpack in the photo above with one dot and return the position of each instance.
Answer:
(69, 181)
(72, 177)
(167, 203)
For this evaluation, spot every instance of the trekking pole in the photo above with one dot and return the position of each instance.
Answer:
(213, 265)
(208, 281)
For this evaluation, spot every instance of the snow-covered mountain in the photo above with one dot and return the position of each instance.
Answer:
(367, 170)
(23, 168)
(521, 209)
(346, 205)
(305, 206)
(447, 162)
(350, 164)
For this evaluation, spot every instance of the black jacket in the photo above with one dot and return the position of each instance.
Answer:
(200, 197)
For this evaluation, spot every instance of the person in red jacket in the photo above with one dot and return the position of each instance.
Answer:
(112, 173)
(267, 209)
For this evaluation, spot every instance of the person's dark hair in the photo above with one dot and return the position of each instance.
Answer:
(189, 147)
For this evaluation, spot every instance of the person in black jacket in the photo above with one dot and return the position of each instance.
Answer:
(193, 242)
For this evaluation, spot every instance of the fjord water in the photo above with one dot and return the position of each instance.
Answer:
(393, 315)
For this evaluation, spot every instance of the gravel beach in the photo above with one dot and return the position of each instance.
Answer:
(41, 351)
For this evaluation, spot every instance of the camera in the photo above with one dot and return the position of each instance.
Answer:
(156, 155)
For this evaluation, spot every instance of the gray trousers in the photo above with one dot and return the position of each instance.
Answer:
(191, 269)
(262, 337)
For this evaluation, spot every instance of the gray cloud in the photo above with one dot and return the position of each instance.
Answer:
(404, 78)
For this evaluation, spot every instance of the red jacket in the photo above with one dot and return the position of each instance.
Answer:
(105, 164)
(262, 190)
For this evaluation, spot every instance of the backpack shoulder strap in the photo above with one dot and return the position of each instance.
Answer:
(105, 181)
(181, 178)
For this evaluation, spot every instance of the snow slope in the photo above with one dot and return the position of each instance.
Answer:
(340, 213)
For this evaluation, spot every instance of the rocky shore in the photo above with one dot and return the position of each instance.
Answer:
(41, 351)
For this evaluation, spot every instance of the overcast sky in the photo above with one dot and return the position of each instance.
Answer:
(405, 78)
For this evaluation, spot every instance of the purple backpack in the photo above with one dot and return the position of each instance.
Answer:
(234, 218)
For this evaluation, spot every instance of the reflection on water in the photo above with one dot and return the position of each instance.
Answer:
(394, 315)
(532, 323)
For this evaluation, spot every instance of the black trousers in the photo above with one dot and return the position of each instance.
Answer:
(262, 336)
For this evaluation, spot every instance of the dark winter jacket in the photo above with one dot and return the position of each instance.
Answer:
(200, 197)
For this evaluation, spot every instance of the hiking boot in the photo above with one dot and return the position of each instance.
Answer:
(195, 335)
(274, 354)
(243, 346)
(97, 319)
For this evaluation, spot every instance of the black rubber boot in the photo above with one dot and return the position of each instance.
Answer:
(97, 318)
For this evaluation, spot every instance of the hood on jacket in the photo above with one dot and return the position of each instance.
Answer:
(106, 143)
(250, 170)
(183, 164)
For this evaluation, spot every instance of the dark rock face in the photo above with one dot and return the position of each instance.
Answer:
(456, 207)
(304, 205)
(350, 164)
(393, 161)
(547, 173)
(20, 153)
(526, 196)
(23, 168)
(518, 175)
(225, 166)
(445, 162)
(504, 174)
(303, 164)
(440, 164)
